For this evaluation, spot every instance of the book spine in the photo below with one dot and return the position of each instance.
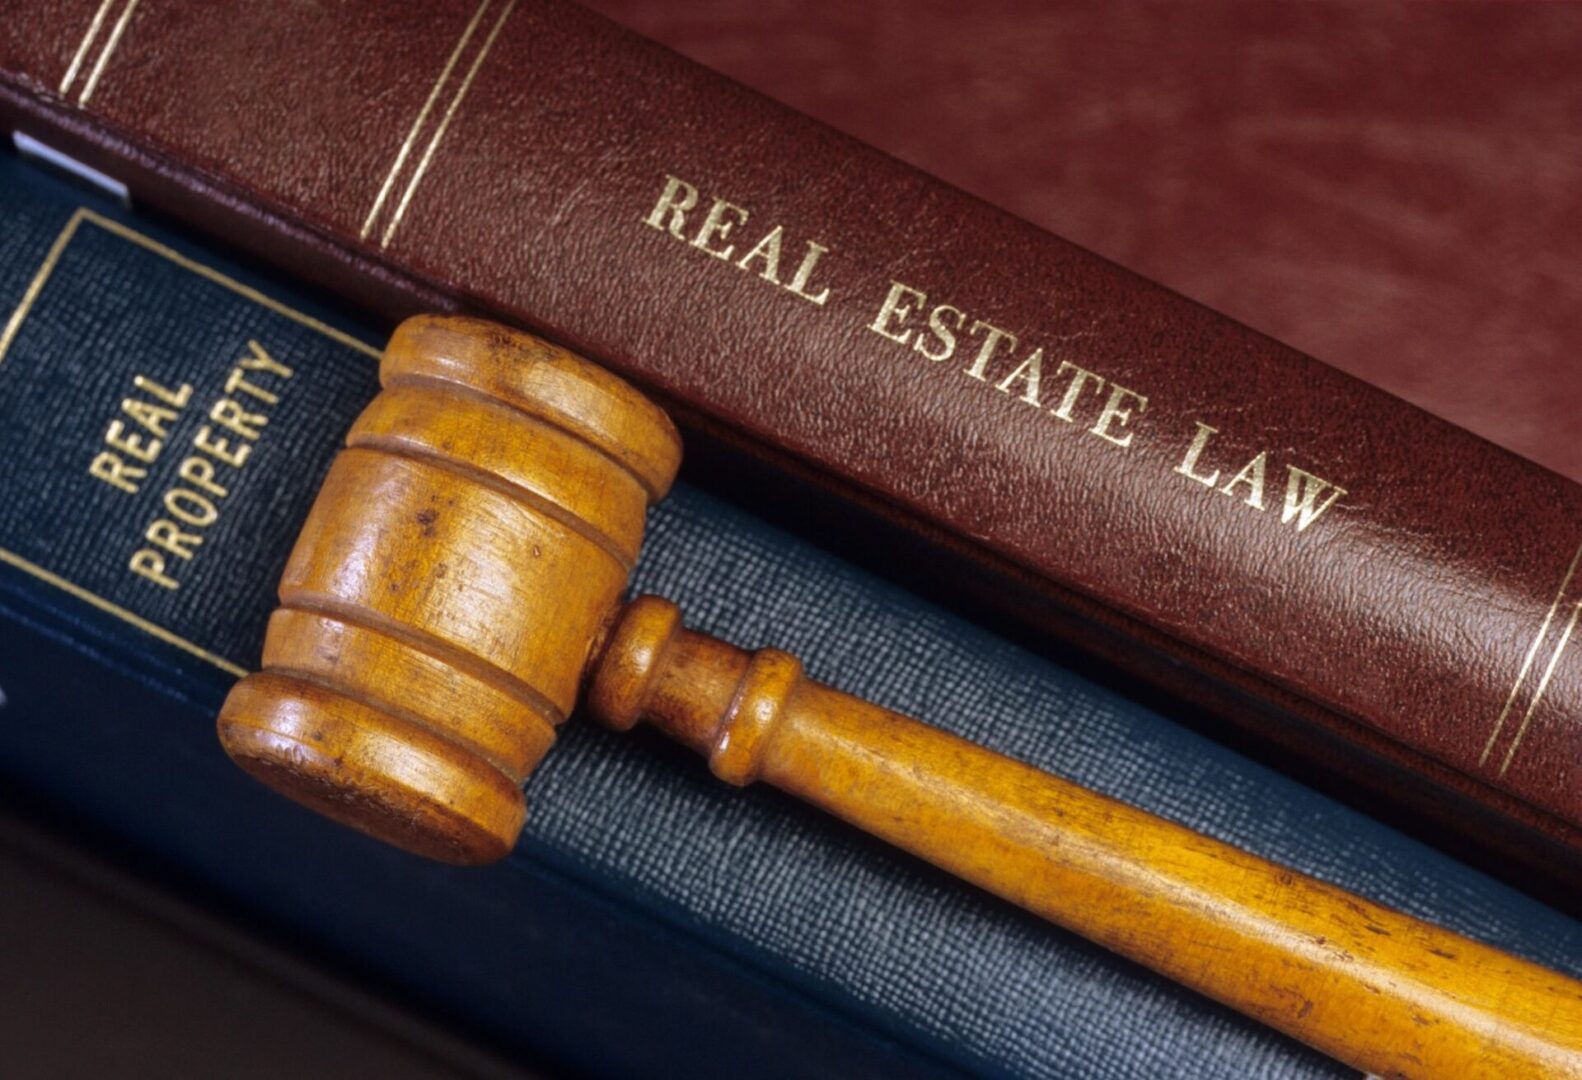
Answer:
(1189, 486)
(602, 941)
(165, 417)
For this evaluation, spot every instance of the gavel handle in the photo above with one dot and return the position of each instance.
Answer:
(1370, 986)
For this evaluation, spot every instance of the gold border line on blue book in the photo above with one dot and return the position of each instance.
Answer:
(14, 325)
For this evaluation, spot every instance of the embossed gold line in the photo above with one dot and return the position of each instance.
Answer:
(109, 47)
(1527, 661)
(14, 323)
(422, 116)
(36, 286)
(1543, 684)
(439, 133)
(120, 612)
(87, 42)
(230, 283)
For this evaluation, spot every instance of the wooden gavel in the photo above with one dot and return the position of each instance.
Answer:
(460, 578)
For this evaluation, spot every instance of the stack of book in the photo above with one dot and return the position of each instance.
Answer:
(1154, 509)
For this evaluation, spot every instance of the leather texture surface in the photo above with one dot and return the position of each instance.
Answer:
(647, 903)
(1392, 187)
(653, 919)
(106, 724)
(1410, 620)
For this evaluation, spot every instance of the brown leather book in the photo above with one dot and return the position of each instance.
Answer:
(1343, 572)
(1412, 224)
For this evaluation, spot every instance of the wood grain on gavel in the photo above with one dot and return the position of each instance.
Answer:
(459, 580)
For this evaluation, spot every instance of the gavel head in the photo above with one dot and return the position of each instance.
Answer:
(465, 553)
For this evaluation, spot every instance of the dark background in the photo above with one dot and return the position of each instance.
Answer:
(1394, 188)
(106, 975)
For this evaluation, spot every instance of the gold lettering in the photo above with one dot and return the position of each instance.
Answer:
(151, 565)
(804, 274)
(181, 503)
(1119, 408)
(991, 341)
(1252, 475)
(1117, 411)
(1080, 377)
(716, 224)
(115, 472)
(237, 381)
(945, 334)
(130, 442)
(1029, 371)
(894, 310)
(178, 398)
(149, 417)
(767, 249)
(167, 534)
(153, 418)
(228, 414)
(669, 213)
(219, 446)
(199, 472)
(1302, 490)
(260, 360)
(194, 504)
(1188, 466)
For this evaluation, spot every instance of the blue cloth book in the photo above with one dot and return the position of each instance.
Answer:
(154, 470)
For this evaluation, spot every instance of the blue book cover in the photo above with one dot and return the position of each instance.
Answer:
(165, 415)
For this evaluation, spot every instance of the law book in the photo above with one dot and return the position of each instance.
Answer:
(652, 921)
(1365, 585)
(1278, 163)
(232, 392)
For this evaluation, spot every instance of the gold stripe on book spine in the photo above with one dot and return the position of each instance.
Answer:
(83, 214)
(153, 629)
(422, 123)
(109, 47)
(85, 48)
(439, 133)
(1543, 685)
(36, 286)
(417, 125)
(1527, 666)
(30, 297)
(86, 44)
